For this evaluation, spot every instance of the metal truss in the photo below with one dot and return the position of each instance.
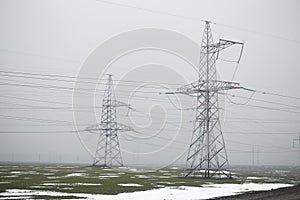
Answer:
(207, 156)
(108, 152)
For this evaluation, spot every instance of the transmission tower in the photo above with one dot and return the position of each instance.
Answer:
(108, 152)
(207, 156)
(294, 140)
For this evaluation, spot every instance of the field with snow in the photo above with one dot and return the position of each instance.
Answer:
(77, 182)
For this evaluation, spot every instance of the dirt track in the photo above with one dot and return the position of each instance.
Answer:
(289, 193)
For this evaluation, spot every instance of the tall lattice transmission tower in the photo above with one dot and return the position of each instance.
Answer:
(108, 152)
(207, 156)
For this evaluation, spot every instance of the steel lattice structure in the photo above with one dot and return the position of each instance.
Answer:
(108, 152)
(207, 156)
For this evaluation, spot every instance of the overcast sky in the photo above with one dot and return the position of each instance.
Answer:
(59, 37)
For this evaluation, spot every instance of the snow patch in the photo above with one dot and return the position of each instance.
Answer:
(174, 193)
(108, 176)
(130, 185)
(16, 172)
(71, 184)
(10, 176)
(75, 174)
(174, 168)
(5, 182)
(256, 178)
(141, 176)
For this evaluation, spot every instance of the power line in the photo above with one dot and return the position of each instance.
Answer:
(79, 78)
(38, 55)
(262, 100)
(263, 119)
(139, 141)
(276, 94)
(35, 132)
(263, 146)
(12, 73)
(67, 88)
(268, 108)
(259, 33)
(35, 100)
(199, 20)
(245, 151)
(262, 122)
(39, 120)
(75, 81)
(150, 10)
(261, 133)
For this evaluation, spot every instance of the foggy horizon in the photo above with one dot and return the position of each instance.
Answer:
(49, 95)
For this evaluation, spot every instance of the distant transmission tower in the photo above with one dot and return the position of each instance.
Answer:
(108, 152)
(294, 140)
(207, 156)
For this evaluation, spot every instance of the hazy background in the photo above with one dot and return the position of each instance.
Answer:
(56, 37)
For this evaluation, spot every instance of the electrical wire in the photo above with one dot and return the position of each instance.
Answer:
(79, 78)
(200, 19)
(131, 81)
(151, 11)
(259, 100)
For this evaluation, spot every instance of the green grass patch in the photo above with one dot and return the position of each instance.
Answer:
(93, 180)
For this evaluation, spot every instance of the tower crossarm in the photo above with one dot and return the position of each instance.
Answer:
(226, 85)
(102, 127)
(125, 128)
(121, 104)
(221, 45)
(93, 128)
(200, 86)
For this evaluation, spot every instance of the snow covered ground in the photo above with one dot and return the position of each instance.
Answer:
(129, 185)
(167, 193)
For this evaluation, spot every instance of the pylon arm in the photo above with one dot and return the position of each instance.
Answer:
(93, 128)
(96, 128)
(125, 128)
(190, 88)
(225, 85)
(120, 104)
(196, 87)
(222, 44)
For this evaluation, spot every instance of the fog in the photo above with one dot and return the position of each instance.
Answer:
(68, 38)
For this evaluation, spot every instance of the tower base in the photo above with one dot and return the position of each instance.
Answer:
(208, 174)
